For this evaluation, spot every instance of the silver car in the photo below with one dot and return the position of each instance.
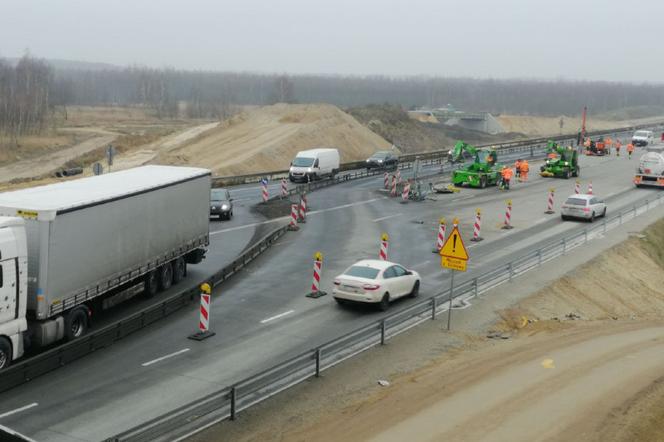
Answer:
(583, 206)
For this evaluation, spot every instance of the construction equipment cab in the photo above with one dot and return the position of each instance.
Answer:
(561, 162)
(314, 164)
(643, 138)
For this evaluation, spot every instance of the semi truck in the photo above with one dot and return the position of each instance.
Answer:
(651, 168)
(72, 249)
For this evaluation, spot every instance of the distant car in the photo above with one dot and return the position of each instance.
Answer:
(643, 138)
(376, 282)
(382, 160)
(221, 203)
(583, 206)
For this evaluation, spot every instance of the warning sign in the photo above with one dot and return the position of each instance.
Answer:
(452, 263)
(454, 247)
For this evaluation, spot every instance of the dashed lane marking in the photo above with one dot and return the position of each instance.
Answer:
(386, 217)
(280, 315)
(154, 361)
(18, 410)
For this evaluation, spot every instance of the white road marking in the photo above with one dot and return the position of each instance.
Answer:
(386, 217)
(18, 410)
(283, 218)
(541, 220)
(280, 315)
(154, 361)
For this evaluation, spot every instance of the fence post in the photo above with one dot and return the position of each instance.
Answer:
(318, 362)
(382, 332)
(233, 402)
(433, 308)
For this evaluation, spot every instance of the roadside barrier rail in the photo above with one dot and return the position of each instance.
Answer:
(229, 401)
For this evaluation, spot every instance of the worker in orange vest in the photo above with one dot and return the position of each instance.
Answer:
(630, 150)
(506, 174)
(618, 146)
(524, 169)
(517, 167)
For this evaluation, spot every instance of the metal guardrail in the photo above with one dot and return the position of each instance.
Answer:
(64, 354)
(435, 154)
(228, 402)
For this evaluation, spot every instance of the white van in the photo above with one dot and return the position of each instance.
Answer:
(314, 164)
(643, 138)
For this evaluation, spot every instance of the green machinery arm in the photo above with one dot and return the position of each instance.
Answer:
(459, 147)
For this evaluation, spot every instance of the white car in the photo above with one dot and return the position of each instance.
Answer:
(583, 206)
(643, 138)
(377, 282)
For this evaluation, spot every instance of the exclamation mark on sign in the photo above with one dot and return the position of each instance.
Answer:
(454, 243)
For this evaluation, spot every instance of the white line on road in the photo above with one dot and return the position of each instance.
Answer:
(541, 220)
(18, 410)
(386, 217)
(154, 361)
(280, 315)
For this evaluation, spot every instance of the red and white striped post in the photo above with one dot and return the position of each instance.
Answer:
(386, 180)
(405, 193)
(316, 292)
(284, 188)
(384, 244)
(293, 221)
(590, 187)
(440, 237)
(266, 195)
(549, 201)
(577, 187)
(398, 175)
(394, 186)
(302, 218)
(508, 216)
(477, 226)
(204, 318)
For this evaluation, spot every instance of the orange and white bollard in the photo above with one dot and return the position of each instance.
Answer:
(590, 187)
(477, 226)
(316, 292)
(293, 221)
(508, 216)
(386, 180)
(266, 195)
(284, 188)
(394, 186)
(577, 187)
(384, 244)
(204, 318)
(405, 193)
(549, 202)
(302, 218)
(440, 237)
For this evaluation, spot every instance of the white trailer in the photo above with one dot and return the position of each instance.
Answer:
(651, 168)
(71, 249)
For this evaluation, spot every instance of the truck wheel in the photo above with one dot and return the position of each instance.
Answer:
(5, 353)
(76, 323)
(179, 270)
(165, 276)
(151, 284)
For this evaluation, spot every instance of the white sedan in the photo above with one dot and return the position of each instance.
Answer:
(377, 282)
(583, 206)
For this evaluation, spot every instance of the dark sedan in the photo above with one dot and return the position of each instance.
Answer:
(382, 160)
(221, 203)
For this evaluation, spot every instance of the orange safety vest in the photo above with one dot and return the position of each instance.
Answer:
(630, 147)
(524, 167)
(507, 173)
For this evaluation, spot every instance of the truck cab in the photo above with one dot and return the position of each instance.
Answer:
(13, 288)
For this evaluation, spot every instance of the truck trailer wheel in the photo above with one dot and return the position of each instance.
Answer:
(5, 353)
(151, 284)
(179, 270)
(76, 323)
(165, 276)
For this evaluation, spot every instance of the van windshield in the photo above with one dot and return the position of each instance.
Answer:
(303, 162)
(641, 133)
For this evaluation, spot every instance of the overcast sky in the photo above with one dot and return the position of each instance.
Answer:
(575, 39)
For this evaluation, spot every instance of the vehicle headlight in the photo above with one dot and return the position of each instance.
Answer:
(566, 163)
(309, 169)
(380, 161)
(224, 207)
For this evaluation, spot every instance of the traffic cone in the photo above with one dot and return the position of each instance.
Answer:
(508, 216)
(477, 226)
(293, 221)
(316, 292)
(405, 193)
(549, 203)
(440, 237)
(204, 331)
(384, 243)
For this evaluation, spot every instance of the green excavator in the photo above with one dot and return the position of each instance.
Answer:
(561, 162)
(482, 172)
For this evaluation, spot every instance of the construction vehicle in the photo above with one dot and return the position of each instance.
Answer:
(651, 168)
(597, 148)
(482, 172)
(561, 162)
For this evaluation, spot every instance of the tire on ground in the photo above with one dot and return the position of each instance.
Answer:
(165, 276)
(76, 323)
(179, 270)
(151, 284)
(5, 352)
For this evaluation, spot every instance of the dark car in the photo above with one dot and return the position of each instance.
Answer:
(221, 203)
(382, 160)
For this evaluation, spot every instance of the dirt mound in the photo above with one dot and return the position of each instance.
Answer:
(549, 126)
(267, 138)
